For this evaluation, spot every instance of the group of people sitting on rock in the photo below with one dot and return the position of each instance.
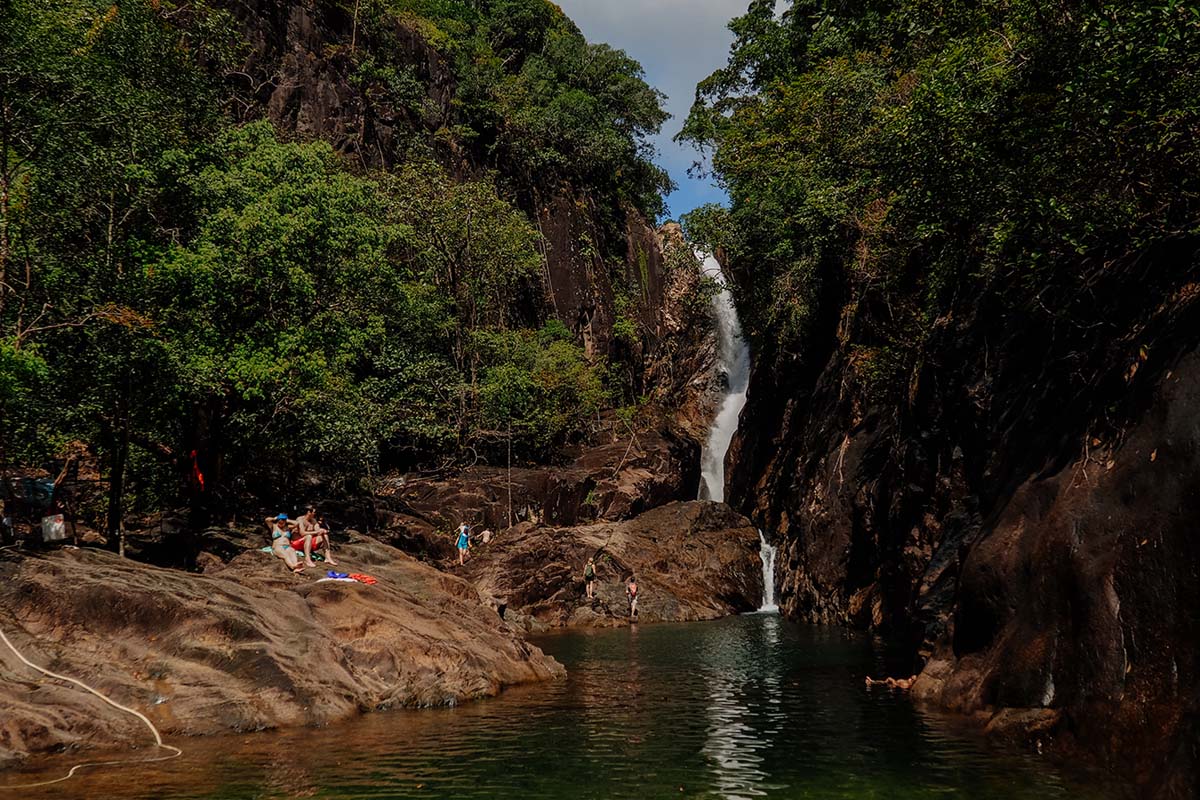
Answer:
(292, 537)
(631, 588)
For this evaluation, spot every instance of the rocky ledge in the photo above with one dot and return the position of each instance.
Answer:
(245, 646)
(693, 560)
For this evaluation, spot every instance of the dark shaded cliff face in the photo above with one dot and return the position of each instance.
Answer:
(1024, 515)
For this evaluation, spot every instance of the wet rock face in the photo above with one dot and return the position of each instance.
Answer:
(1023, 515)
(693, 561)
(245, 646)
(1077, 596)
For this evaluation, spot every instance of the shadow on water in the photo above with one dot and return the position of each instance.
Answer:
(745, 707)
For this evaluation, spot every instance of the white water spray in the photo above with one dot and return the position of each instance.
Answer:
(767, 553)
(734, 361)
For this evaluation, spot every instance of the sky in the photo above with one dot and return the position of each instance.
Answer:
(679, 43)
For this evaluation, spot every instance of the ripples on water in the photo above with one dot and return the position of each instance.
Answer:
(746, 707)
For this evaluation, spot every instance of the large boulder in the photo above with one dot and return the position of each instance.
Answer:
(693, 561)
(245, 646)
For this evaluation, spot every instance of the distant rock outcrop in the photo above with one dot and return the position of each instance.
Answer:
(693, 561)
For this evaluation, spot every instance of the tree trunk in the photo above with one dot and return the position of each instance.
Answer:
(115, 522)
(116, 481)
(510, 517)
(5, 247)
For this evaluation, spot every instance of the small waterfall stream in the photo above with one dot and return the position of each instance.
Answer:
(766, 551)
(734, 362)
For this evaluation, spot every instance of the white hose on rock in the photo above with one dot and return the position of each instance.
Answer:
(175, 752)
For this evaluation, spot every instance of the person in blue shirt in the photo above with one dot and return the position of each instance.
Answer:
(464, 542)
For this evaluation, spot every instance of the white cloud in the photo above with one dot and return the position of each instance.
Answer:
(679, 43)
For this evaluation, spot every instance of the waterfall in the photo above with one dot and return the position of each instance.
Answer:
(767, 553)
(734, 361)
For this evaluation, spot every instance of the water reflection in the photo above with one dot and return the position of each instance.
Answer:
(747, 707)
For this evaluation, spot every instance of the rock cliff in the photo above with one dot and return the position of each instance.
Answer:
(604, 261)
(1021, 510)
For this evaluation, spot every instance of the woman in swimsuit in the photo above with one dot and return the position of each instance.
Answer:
(281, 544)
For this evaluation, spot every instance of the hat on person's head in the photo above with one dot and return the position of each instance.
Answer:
(281, 517)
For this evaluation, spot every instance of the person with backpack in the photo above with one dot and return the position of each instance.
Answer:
(631, 591)
(589, 578)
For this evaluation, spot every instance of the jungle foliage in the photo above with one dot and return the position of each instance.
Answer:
(209, 306)
(911, 155)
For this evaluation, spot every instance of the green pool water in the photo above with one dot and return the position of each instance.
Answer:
(746, 707)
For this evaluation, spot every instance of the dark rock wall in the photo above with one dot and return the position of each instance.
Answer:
(1022, 512)
(298, 72)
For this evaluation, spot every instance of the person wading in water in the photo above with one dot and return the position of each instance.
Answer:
(631, 591)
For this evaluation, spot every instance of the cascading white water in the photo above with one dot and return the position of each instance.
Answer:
(734, 361)
(767, 553)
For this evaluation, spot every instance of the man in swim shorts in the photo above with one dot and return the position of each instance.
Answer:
(311, 534)
(903, 684)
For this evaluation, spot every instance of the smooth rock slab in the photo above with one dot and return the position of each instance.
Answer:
(247, 647)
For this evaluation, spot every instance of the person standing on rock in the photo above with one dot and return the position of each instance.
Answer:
(589, 578)
(281, 541)
(464, 542)
(631, 591)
